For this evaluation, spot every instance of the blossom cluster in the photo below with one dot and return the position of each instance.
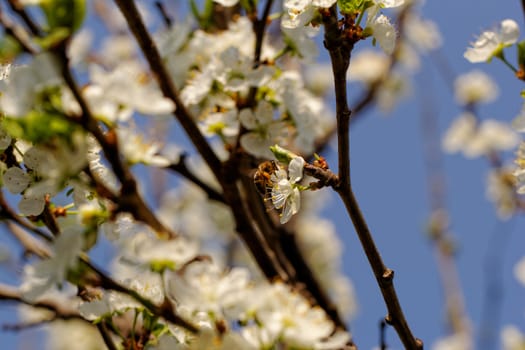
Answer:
(69, 153)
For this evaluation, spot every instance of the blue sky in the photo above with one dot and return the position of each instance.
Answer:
(389, 179)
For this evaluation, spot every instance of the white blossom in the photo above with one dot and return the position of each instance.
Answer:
(368, 66)
(384, 32)
(512, 338)
(473, 140)
(457, 341)
(138, 150)
(204, 287)
(491, 42)
(21, 88)
(227, 3)
(263, 130)
(475, 87)
(50, 272)
(519, 271)
(285, 195)
(16, 180)
(300, 12)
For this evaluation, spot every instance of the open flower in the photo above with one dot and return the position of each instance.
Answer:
(491, 42)
(286, 196)
(382, 30)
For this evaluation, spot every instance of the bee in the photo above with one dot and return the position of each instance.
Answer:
(262, 177)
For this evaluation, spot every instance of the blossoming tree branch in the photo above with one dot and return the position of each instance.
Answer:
(235, 253)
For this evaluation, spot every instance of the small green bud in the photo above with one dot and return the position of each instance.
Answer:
(282, 155)
(68, 14)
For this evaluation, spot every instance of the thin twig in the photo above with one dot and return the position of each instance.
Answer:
(382, 335)
(9, 293)
(164, 14)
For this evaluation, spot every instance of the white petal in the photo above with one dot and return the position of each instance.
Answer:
(295, 169)
(16, 180)
(509, 31)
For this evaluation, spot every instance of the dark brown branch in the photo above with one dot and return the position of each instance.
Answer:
(259, 27)
(17, 32)
(129, 199)
(106, 336)
(339, 50)
(22, 13)
(523, 6)
(370, 95)
(164, 14)
(384, 276)
(339, 46)
(227, 176)
(152, 55)
(181, 168)
(165, 310)
(250, 233)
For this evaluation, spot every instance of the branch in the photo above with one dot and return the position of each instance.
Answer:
(259, 27)
(129, 199)
(152, 55)
(21, 12)
(339, 47)
(369, 96)
(168, 21)
(165, 310)
(17, 32)
(248, 231)
(106, 337)
(7, 212)
(9, 293)
(339, 50)
(181, 168)
(227, 175)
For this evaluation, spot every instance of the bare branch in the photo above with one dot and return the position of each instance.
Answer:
(339, 45)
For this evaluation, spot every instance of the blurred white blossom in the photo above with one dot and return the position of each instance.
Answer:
(491, 42)
(466, 136)
(475, 87)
